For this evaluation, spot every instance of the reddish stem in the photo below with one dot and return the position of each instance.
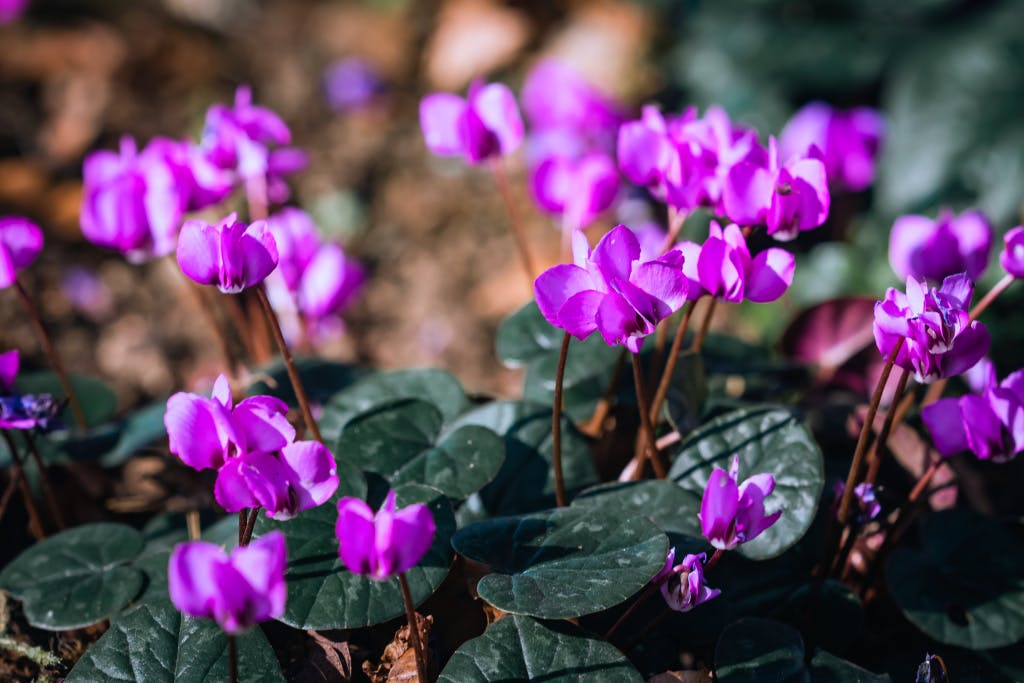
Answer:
(556, 424)
(414, 631)
(646, 427)
(517, 227)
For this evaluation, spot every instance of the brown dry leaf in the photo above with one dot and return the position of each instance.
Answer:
(473, 37)
(336, 654)
(398, 662)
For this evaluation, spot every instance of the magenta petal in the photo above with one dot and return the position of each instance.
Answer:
(263, 421)
(312, 473)
(968, 349)
(232, 488)
(974, 235)
(551, 184)
(615, 253)
(555, 286)
(616, 319)
(440, 114)
(191, 577)
(1012, 258)
(258, 253)
(811, 185)
(9, 363)
(643, 153)
(718, 508)
(983, 427)
(356, 533)
(578, 316)
(412, 534)
(747, 193)
(771, 273)
(22, 238)
(497, 108)
(192, 430)
(716, 271)
(663, 282)
(198, 249)
(262, 565)
(907, 235)
(329, 282)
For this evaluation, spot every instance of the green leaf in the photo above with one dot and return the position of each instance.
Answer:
(525, 481)
(76, 577)
(965, 585)
(434, 386)
(526, 336)
(321, 379)
(768, 440)
(660, 500)
(154, 643)
(140, 429)
(563, 563)
(519, 648)
(400, 442)
(589, 369)
(323, 594)
(99, 402)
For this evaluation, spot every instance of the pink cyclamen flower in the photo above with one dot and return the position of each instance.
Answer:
(577, 188)
(386, 544)
(238, 590)
(683, 585)
(847, 141)
(252, 446)
(940, 339)
(232, 255)
(1012, 258)
(21, 240)
(786, 197)
(556, 96)
(989, 424)
(610, 289)
(732, 513)
(927, 249)
(723, 267)
(484, 125)
(864, 497)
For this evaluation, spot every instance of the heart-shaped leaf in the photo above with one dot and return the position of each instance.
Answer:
(154, 643)
(965, 585)
(98, 401)
(76, 577)
(323, 594)
(526, 336)
(525, 481)
(520, 648)
(139, 430)
(400, 442)
(589, 369)
(437, 387)
(660, 500)
(563, 563)
(768, 440)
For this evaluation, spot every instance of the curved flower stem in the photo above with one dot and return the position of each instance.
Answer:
(35, 522)
(51, 353)
(289, 364)
(243, 518)
(517, 227)
(698, 343)
(646, 428)
(670, 363)
(715, 557)
(232, 659)
(651, 589)
(862, 439)
(556, 424)
(250, 525)
(9, 491)
(414, 631)
(44, 481)
(877, 451)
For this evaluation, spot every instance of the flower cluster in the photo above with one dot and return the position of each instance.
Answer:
(846, 141)
(683, 585)
(21, 240)
(938, 337)
(722, 267)
(253, 447)
(731, 512)
(927, 249)
(23, 411)
(384, 544)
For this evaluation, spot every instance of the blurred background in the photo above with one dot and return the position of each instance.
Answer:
(76, 75)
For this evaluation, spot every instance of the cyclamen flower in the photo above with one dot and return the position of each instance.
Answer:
(578, 188)
(723, 268)
(848, 141)
(940, 339)
(238, 590)
(927, 249)
(786, 197)
(23, 411)
(683, 585)
(21, 240)
(864, 498)
(1012, 258)
(230, 254)
(385, 544)
(487, 124)
(732, 513)
(251, 446)
(556, 97)
(989, 424)
(612, 290)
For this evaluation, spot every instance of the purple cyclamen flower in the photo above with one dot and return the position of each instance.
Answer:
(132, 201)
(610, 289)
(252, 446)
(386, 544)
(21, 240)
(578, 188)
(556, 96)
(487, 124)
(23, 411)
(732, 513)
(847, 141)
(927, 249)
(230, 254)
(683, 585)
(723, 267)
(864, 497)
(1012, 258)
(940, 339)
(351, 84)
(238, 590)
(990, 423)
(786, 197)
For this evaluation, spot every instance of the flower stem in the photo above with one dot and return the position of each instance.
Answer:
(250, 525)
(9, 491)
(243, 518)
(556, 424)
(715, 557)
(517, 227)
(44, 481)
(51, 353)
(652, 587)
(877, 451)
(414, 631)
(289, 364)
(232, 659)
(670, 364)
(862, 440)
(709, 313)
(646, 427)
(35, 523)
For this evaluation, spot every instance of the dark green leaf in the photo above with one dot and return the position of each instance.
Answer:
(525, 481)
(519, 648)
(76, 577)
(323, 594)
(589, 369)
(563, 563)
(768, 440)
(965, 585)
(658, 499)
(154, 643)
(140, 429)
(321, 379)
(400, 442)
(99, 402)
(525, 337)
